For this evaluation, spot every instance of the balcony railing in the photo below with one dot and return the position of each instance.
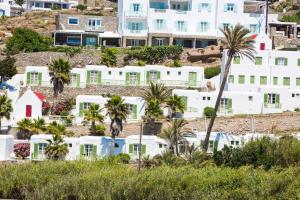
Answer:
(95, 28)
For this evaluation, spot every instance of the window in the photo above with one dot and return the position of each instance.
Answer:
(252, 79)
(237, 142)
(231, 79)
(160, 41)
(73, 40)
(299, 62)
(286, 81)
(34, 78)
(275, 80)
(135, 149)
(203, 27)
(109, 72)
(203, 98)
(253, 28)
(153, 76)
(297, 81)
(271, 98)
(263, 80)
(42, 147)
(281, 61)
(132, 111)
(120, 73)
(86, 105)
(225, 26)
(241, 79)
(168, 72)
(94, 76)
(160, 24)
(225, 105)
(136, 7)
(88, 149)
(231, 142)
(250, 98)
(73, 21)
(160, 146)
(74, 79)
(179, 73)
(94, 23)
(211, 145)
(181, 26)
(230, 7)
(236, 60)
(204, 7)
(208, 98)
(258, 61)
(132, 78)
(70, 145)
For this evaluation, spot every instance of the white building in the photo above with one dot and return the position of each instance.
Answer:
(6, 147)
(5, 7)
(185, 76)
(190, 23)
(151, 146)
(50, 4)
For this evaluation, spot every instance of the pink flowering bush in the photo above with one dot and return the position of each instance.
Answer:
(22, 150)
(45, 108)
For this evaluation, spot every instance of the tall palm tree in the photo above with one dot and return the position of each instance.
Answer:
(5, 109)
(153, 111)
(59, 71)
(156, 91)
(118, 112)
(176, 105)
(24, 128)
(93, 115)
(38, 126)
(56, 149)
(174, 134)
(237, 43)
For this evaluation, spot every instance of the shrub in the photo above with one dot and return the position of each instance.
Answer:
(81, 7)
(208, 111)
(22, 150)
(100, 130)
(176, 63)
(27, 40)
(297, 110)
(46, 108)
(123, 158)
(212, 72)
(109, 57)
(141, 63)
(291, 18)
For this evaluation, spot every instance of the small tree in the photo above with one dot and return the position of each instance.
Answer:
(93, 115)
(38, 126)
(20, 3)
(176, 105)
(24, 128)
(56, 148)
(7, 69)
(5, 109)
(22, 150)
(153, 111)
(81, 7)
(109, 57)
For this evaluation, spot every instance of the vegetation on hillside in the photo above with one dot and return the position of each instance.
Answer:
(291, 18)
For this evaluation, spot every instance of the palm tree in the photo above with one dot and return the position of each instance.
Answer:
(93, 115)
(237, 43)
(153, 111)
(174, 134)
(59, 71)
(24, 128)
(38, 126)
(156, 91)
(5, 108)
(118, 112)
(56, 148)
(175, 104)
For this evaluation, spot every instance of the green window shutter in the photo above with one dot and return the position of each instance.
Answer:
(143, 149)
(88, 77)
(138, 76)
(277, 99)
(241, 79)
(148, 77)
(158, 75)
(237, 60)
(285, 61)
(297, 81)
(40, 78)
(94, 151)
(252, 79)
(265, 98)
(28, 78)
(276, 61)
(78, 80)
(229, 104)
(99, 77)
(35, 150)
(286, 81)
(81, 149)
(192, 78)
(263, 80)
(130, 148)
(275, 80)
(81, 109)
(258, 61)
(184, 100)
(231, 79)
(299, 62)
(127, 78)
(134, 111)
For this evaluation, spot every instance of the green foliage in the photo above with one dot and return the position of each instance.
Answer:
(93, 116)
(56, 149)
(155, 54)
(212, 72)
(297, 110)
(27, 40)
(175, 104)
(69, 51)
(100, 130)
(175, 63)
(81, 7)
(104, 180)
(109, 57)
(5, 108)
(291, 18)
(208, 111)
(264, 152)
(7, 68)
(141, 63)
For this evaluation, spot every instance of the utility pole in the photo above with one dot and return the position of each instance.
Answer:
(267, 12)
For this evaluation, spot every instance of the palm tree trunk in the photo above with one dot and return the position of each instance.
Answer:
(176, 145)
(212, 120)
(113, 141)
(93, 127)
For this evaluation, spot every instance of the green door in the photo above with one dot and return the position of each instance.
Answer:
(192, 78)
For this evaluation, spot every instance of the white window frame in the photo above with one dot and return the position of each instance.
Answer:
(88, 150)
(203, 27)
(224, 104)
(34, 77)
(159, 24)
(135, 150)
(253, 28)
(271, 98)
(281, 61)
(92, 22)
(41, 150)
(86, 105)
(180, 26)
(73, 79)
(153, 76)
(132, 78)
(230, 7)
(94, 76)
(136, 7)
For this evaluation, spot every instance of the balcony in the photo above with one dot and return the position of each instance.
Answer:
(133, 14)
(95, 28)
(131, 32)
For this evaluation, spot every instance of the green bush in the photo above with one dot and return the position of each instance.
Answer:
(81, 7)
(109, 57)
(69, 51)
(297, 110)
(103, 180)
(212, 72)
(176, 63)
(141, 63)
(208, 111)
(27, 40)
(291, 18)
